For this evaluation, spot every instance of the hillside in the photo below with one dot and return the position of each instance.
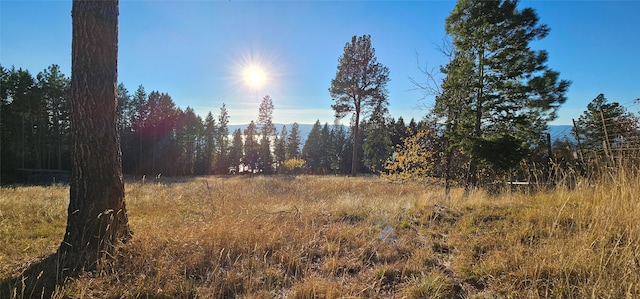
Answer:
(330, 237)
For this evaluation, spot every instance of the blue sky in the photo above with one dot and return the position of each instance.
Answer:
(197, 51)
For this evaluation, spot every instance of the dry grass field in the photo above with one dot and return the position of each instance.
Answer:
(330, 237)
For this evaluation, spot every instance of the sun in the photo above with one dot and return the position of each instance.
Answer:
(256, 73)
(254, 76)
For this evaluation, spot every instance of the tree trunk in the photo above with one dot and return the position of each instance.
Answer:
(356, 140)
(97, 218)
(472, 173)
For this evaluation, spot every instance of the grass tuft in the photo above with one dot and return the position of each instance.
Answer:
(319, 237)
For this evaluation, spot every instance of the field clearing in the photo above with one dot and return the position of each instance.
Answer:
(320, 237)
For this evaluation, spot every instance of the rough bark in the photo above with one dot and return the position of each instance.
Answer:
(356, 140)
(97, 217)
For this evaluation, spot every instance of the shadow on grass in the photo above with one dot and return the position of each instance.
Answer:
(39, 280)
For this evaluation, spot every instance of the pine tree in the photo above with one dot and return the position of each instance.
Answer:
(337, 148)
(267, 129)
(510, 93)
(236, 154)
(251, 148)
(360, 84)
(265, 117)
(280, 148)
(208, 154)
(222, 141)
(398, 131)
(619, 124)
(325, 142)
(26, 110)
(159, 122)
(124, 108)
(137, 142)
(189, 132)
(293, 142)
(312, 149)
(97, 218)
(377, 143)
(55, 92)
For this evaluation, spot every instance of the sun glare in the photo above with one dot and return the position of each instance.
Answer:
(254, 77)
(256, 74)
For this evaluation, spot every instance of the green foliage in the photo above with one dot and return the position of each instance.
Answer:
(265, 117)
(338, 149)
(280, 148)
(502, 152)
(618, 122)
(293, 142)
(314, 151)
(251, 147)
(222, 142)
(495, 84)
(188, 134)
(265, 162)
(360, 83)
(236, 150)
(34, 119)
(206, 156)
(377, 142)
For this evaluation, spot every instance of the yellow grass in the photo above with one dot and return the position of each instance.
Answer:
(317, 237)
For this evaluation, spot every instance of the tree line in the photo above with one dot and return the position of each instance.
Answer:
(491, 110)
(492, 105)
(493, 102)
(157, 137)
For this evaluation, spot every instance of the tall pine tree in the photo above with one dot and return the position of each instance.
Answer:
(511, 93)
(360, 84)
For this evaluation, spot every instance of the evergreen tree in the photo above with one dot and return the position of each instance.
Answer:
(124, 108)
(377, 141)
(7, 146)
(312, 149)
(337, 149)
(412, 128)
(55, 91)
(138, 104)
(251, 148)
(97, 218)
(125, 113)
(280, 148)
(189, 133)
(134, 151)
(25, 112)
(511, 93)
(619, 124)
(236, 154)
(398, 132)
(360, 83)
(452, 107)
(293, 142)
(325, 142)
(265, 159)
(267, 129)
(222, 141)
(265, 117)
(159, 121)
(207, 156)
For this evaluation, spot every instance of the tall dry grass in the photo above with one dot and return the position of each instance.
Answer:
(317, 237)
